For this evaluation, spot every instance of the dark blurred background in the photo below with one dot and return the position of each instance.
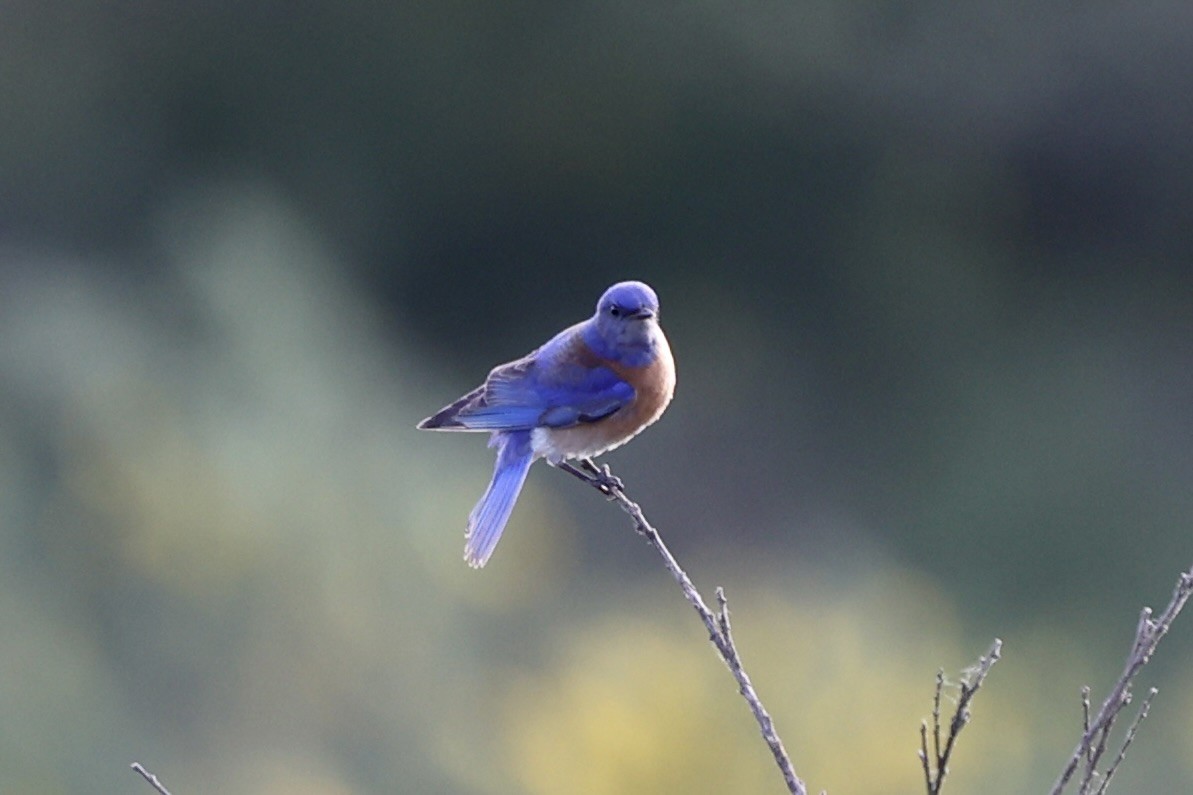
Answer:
(926, 270)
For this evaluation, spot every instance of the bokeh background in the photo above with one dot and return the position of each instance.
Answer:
(926, 270)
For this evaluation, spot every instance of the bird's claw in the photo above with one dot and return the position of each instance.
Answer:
(602, 477)
(609, 482)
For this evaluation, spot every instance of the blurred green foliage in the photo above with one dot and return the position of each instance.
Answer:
(925, 268)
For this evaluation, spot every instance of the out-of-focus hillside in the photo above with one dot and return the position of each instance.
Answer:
(926, 273)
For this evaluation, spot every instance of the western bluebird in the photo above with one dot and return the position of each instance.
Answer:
(589, 389)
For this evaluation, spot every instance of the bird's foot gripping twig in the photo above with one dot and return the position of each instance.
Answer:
(597, 476)
(602, 477)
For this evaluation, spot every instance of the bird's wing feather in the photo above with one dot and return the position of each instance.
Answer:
(518, 396)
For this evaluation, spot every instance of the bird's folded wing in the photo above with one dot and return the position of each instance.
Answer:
(516, 397)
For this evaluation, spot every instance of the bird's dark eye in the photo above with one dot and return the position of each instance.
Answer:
(615, 310)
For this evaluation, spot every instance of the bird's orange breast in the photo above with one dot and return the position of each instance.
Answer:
(654, 385)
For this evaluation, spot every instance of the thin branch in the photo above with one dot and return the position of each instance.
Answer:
(1094, 755)
(152, 779)
(923, 755)
(936, 767)
(936, 719)
(1085, 721)
(1148, 634)
(1130, 738)
(719, 630)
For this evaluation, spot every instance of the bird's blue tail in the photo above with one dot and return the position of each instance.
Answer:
(488, 518)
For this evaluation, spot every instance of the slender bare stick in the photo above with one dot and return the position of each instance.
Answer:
(1122, 752)
(936, 721)
(717, 624)
(1148, 634)
(152, 779)
(924, 755)
(936, 768)
(746, 688)
(1094, 755)
(1085, 720)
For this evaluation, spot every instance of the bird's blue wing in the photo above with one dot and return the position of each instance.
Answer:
(521, 395)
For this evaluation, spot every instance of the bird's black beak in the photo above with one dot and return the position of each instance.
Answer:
(643, 314)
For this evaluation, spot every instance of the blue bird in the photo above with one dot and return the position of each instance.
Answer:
(592, 387)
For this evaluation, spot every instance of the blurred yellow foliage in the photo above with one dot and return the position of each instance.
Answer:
(638, 702)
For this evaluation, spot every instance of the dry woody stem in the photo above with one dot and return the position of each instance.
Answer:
(720, 633)
(152, 779)
(1096, 731)
(936, 764)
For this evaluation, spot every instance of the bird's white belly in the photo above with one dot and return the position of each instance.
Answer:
(581, 441)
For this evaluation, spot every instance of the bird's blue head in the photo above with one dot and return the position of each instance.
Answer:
(627, 318)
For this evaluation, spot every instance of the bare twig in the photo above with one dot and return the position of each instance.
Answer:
(152, 779)
(1085, 720)
(1094, 755)
(1130, 738)
(717, 624)
(1096, 733)
(936, 766)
